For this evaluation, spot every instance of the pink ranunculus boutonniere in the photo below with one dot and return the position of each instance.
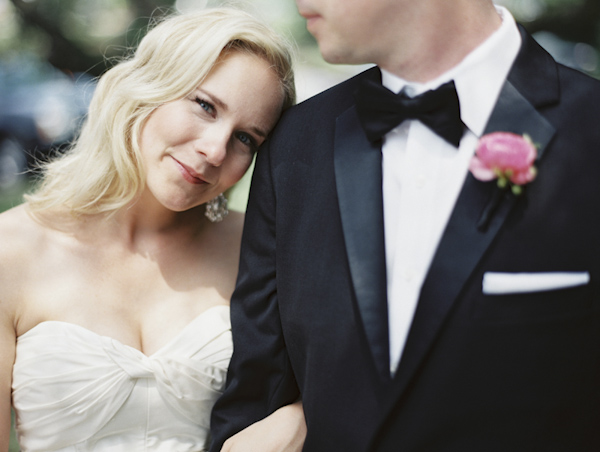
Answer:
(507, 157)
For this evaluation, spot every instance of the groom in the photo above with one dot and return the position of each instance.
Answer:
(409, 304)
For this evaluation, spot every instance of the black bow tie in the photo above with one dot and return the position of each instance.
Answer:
(380, 110)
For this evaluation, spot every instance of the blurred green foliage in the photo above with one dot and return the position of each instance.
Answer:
(12, 196)
(84, 35)
(76, 35)
(569, 29)
(13, 446)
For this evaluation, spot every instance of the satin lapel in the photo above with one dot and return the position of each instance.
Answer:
(358, 179)
(462, 244)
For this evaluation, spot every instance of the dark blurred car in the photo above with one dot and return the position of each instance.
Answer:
(41, 109)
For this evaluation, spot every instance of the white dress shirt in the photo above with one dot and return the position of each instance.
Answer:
(423, 174)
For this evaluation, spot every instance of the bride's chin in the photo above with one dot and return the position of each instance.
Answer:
(180, 200)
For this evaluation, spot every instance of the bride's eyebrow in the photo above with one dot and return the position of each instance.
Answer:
(214, 99)
(222, 105)
(259, 132)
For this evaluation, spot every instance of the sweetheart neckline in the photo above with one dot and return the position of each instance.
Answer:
(158, 350)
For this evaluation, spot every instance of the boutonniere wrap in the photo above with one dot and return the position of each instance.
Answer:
(509, 159)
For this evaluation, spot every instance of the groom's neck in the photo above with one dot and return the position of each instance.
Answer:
(437, 36)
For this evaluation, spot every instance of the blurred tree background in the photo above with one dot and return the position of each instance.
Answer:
(568, 29)
(85, 35)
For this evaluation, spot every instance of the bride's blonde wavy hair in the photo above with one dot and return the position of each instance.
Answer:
(102, 171)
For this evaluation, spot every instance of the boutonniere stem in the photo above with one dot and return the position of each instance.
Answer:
(490, 208)
(507, 158)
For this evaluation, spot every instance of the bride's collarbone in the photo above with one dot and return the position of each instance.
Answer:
(123, 302)
(145, 325)
(122, 294)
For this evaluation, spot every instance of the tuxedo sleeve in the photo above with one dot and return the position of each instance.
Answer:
(260, 379)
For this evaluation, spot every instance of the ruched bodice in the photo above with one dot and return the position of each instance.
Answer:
(74, 390)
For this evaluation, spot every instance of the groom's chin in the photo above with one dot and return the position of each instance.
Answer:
(341, 55)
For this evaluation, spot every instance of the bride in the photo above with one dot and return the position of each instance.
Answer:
(116, 273)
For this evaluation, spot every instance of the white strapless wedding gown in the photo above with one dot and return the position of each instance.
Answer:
(74, 390)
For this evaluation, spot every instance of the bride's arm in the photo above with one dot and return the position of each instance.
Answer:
(282, 431)
(7, 358)
(12, 256)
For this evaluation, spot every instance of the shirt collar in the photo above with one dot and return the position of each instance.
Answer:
(479, 77)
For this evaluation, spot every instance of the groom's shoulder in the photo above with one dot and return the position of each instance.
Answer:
(578, 108)
(577, 86)
(335, 99)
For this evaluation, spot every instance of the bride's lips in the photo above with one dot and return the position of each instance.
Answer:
(188, 173)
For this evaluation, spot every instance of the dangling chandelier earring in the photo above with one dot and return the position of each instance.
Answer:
(216, 209)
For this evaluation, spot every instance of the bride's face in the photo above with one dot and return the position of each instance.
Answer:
(199, 146)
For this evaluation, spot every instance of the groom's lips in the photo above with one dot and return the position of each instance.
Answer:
(309, 16)
(310, 21)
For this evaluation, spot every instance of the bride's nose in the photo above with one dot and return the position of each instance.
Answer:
(213, 145)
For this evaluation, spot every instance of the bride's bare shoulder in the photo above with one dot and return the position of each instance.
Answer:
(18, 229)
(21, 240)
(20, 237)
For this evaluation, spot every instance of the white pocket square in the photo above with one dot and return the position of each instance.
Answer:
(497, 283)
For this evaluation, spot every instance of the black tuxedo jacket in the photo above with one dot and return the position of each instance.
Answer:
(518, 372)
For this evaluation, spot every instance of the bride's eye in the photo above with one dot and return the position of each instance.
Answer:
(206, 106)
(248, 141)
